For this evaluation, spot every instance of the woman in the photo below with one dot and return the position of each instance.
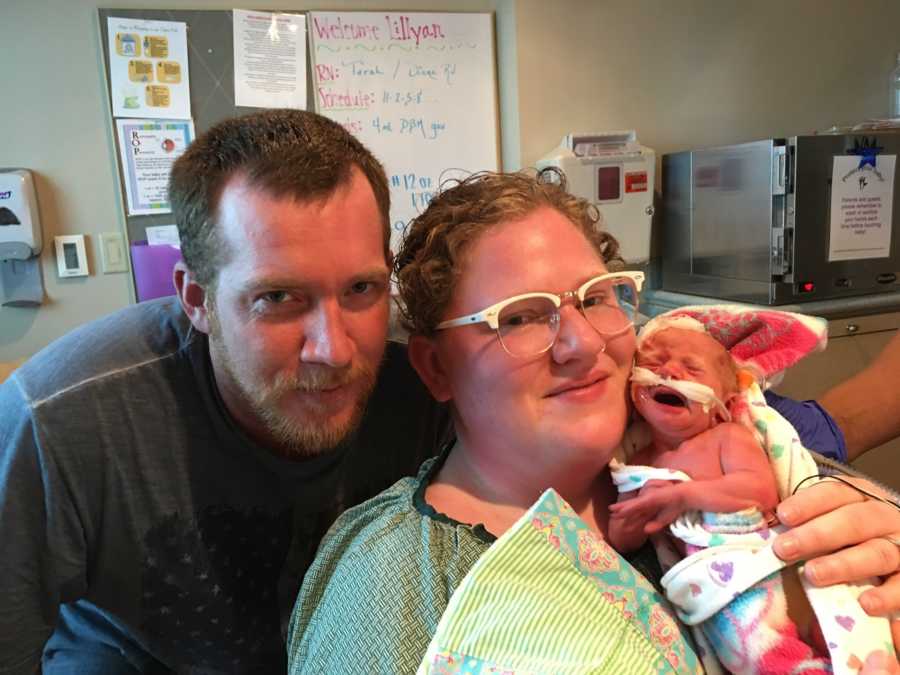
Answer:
(537, 386)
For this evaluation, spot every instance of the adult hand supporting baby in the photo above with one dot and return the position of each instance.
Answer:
(841, 533)
(880, 663)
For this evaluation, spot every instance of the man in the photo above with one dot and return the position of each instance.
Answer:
(167, 472)
(867, 406)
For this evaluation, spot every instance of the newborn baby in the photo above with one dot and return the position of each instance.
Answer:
(687, 387)
(683, 385)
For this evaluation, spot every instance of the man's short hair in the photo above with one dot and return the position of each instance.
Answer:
(287, 153)
(429, 263)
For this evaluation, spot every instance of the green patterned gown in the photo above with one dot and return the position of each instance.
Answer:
(385, 573)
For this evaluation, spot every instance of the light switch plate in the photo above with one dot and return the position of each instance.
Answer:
(112, 252)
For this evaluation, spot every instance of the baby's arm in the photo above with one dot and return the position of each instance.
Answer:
(746, 470)
(628, 531)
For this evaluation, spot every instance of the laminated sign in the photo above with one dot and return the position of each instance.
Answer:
(862, 193)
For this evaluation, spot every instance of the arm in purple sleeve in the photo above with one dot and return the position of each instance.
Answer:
(817, 430)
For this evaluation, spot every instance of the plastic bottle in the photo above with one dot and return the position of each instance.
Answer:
(894, 90)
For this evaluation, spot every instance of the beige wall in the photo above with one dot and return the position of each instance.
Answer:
(55, 121)
(693, 73)
(681, 72)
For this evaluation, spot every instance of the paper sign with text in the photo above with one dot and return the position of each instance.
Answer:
(862, 193)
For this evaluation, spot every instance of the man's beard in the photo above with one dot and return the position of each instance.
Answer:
(310, 434)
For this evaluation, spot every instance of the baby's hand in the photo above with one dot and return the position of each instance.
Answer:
(626, 534)
(626, 531)
(657, 505)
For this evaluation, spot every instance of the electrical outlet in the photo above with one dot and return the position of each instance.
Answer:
(112, 252)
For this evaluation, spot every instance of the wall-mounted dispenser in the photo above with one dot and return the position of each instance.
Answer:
(21, 284)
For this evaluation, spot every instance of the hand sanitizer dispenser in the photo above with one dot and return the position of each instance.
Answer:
(20, 226)
(20, 240)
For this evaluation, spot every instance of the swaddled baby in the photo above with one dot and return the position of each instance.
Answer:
(684, 386)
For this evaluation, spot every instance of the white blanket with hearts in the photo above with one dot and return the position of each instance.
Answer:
(730, 563)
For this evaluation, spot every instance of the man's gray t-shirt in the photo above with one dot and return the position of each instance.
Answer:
(131, 502)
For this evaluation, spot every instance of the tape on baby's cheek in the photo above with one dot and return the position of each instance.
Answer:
(693, 391)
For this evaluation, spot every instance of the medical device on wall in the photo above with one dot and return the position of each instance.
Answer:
(783, 220)
(616, 174)
(21, 284)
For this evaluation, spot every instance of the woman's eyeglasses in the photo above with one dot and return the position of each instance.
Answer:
(528, 324)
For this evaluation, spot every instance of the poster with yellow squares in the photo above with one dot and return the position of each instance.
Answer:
(148, 68)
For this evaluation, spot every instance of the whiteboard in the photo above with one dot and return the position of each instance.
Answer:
(419, 90)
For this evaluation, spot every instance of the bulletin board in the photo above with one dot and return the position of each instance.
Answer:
(211, 71)
(420, 91)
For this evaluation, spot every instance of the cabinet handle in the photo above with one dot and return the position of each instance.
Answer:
(852, 328)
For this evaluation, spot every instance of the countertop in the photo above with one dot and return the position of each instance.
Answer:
(656, 301)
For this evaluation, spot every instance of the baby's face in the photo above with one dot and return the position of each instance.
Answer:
(683, 354)
(679, 354)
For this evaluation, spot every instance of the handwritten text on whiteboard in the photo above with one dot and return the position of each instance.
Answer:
(418, 89)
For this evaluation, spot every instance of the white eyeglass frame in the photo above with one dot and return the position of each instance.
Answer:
(490, 315)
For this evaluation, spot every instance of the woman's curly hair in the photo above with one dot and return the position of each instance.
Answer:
(429, 262)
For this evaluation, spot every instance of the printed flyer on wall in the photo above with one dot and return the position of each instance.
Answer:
(148, 68)
(862, 193)
(148, 148)
(269, 59)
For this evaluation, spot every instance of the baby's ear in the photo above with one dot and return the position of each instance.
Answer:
(735, 404)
